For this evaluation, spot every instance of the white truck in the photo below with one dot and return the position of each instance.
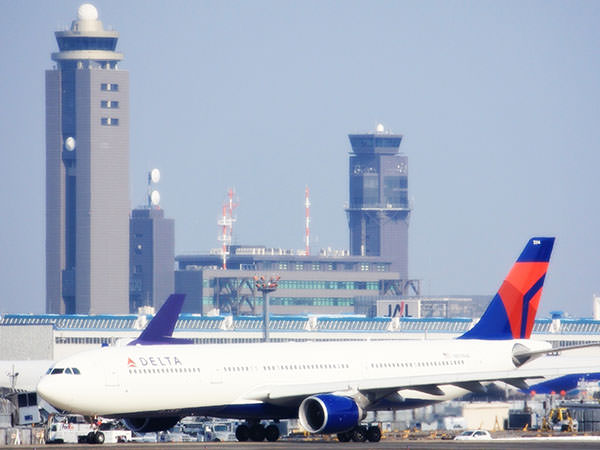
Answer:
(75, 430)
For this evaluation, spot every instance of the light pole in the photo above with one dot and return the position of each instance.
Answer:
(266, 287)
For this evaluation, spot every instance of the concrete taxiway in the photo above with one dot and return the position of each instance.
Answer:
(512, 444)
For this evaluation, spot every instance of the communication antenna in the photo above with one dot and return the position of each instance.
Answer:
(307, 221)
(153, 196)
(225, 223)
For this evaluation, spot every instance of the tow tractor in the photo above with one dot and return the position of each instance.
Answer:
(75, 430)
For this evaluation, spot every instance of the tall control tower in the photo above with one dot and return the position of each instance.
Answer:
(87, 172)
(378, 212)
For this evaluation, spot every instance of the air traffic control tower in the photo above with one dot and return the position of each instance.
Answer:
(87, 172)
(378, 210)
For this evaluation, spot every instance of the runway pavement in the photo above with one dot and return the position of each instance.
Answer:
(512, 444)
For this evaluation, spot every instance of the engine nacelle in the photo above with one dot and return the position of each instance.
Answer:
(150, 424)
(328, 413)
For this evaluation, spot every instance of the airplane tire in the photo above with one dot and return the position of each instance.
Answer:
(99, 438)
(359, 434)
(242, 433)
(345, 436)
(272, 433)
(373, 434)
(257, 433)
(91, 439)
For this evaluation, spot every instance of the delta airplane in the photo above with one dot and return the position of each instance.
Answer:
(329, 386)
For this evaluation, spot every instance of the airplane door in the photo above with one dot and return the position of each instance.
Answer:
(112, 377)
(216, 376)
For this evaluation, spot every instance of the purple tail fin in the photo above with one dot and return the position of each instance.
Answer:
(160, 329)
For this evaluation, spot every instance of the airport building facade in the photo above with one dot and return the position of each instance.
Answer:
(329, 283)
(52, 337)
(87, 172)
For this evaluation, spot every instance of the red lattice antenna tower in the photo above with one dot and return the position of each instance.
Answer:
(225, 223)
(307, 221)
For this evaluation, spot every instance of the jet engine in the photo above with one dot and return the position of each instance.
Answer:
(328, 413)
(150, 424)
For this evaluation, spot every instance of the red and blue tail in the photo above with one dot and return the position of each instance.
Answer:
(512, 311)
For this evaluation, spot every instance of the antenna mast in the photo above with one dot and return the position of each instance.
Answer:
(226, 225)
(307, 221)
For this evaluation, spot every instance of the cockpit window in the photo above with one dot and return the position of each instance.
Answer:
(49, 371)
(76, 371)
(57, 370)
(68, 370)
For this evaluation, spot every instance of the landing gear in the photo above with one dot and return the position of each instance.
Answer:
(242, 433)
(257, 432)
(344, 436)
(272, 433)
(374, 434)
(361, 433)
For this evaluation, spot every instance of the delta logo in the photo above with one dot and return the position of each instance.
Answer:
(154, 361)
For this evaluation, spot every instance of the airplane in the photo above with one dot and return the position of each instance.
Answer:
(328, 386)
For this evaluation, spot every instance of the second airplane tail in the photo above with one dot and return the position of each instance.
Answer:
(511, 313)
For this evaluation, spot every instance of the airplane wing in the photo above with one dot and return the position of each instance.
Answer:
(375, 389)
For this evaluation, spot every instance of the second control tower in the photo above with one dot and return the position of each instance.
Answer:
(379, 211)
(87, 172)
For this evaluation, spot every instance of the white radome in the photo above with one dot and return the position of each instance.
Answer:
(87, 11)
(155, 175)
(155, 198)
(70, 143)
(380, 128)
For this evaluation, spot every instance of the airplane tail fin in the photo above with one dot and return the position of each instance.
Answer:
(511, 313)
(159, 330)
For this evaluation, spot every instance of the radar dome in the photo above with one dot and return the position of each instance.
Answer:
(155, 198)
(87, 11)
(380, 128)
(155, 175)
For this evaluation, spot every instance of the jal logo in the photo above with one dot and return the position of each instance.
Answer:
(155, 361)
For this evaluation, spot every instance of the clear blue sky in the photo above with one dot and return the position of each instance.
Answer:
(498, 102)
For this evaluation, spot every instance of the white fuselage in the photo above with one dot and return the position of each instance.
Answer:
(115, 381)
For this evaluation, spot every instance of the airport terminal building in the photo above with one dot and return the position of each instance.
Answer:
(52, 336)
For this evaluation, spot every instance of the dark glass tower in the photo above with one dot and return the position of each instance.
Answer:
(152, 254)
(379, 211)
(87, 172)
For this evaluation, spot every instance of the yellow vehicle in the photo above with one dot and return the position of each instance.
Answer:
(560, 419)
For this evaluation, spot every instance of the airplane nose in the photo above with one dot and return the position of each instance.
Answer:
(50, 390)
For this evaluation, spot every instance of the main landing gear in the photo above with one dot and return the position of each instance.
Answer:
(256, 432)
(361, 433)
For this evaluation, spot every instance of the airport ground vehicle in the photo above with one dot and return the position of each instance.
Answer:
(474, 435)
(75, 430)
(560, 419)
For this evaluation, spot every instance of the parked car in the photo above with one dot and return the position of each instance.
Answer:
(474, 435)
